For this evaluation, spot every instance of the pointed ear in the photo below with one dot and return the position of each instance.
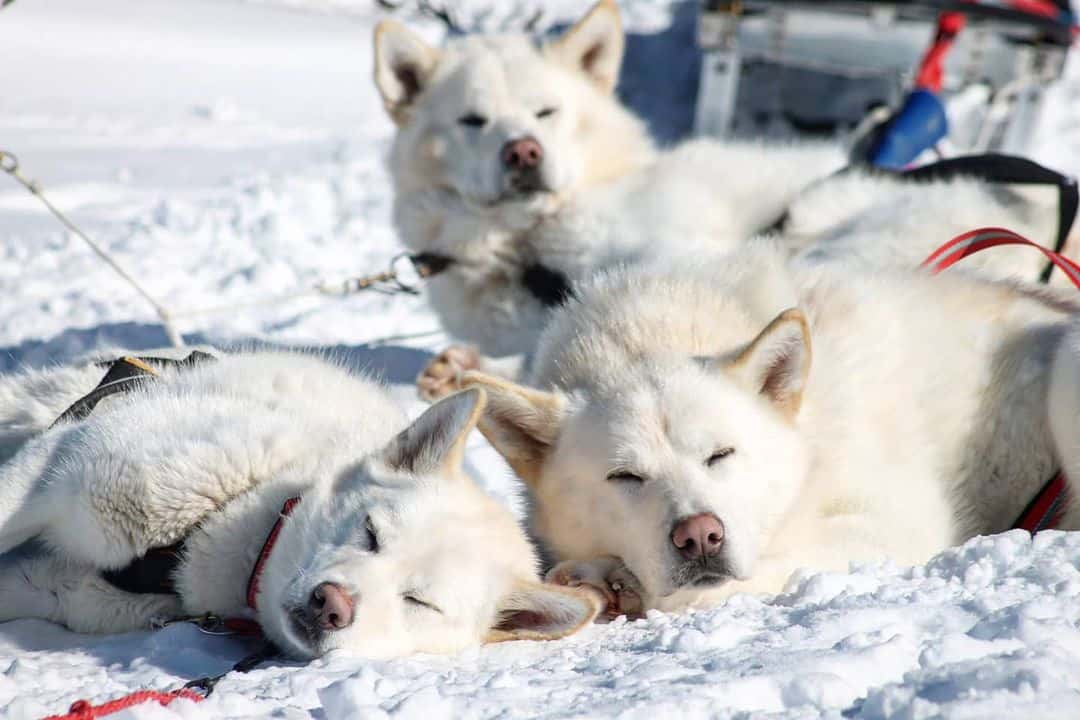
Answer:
(538, 611)
(777, 363)
(595, 45)
(435, 442)
(403, 66)
(521, 423)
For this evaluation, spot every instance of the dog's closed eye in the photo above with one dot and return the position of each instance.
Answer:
(472, 119)
(413, 599)
(719, 455)
(546, 112)
(623, 476)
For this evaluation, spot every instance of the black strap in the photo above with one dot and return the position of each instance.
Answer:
(990, 167)
(997, 168)
(150, 574)
(548, 286)
(124, 375)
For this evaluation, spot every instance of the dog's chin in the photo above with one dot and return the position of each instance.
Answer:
(701, 575)
(535, 201)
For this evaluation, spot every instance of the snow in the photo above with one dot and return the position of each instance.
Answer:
(230, 151)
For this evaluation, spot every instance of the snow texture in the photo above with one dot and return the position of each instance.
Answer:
(227, 152)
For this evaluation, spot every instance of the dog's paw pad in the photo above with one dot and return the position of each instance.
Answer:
(442, 376)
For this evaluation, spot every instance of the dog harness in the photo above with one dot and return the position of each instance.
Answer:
(153, 572)
(548, 286)
(1046, 508)
(988, 167)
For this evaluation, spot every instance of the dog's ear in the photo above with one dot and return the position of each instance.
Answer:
(595, 45)
(403, 66)
(435, 442)
(777, 362)
(538, 611)
(521, 423)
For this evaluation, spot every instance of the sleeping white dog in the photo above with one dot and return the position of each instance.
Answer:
(297, 495)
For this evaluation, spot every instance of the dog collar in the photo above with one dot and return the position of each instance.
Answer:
(267, 548)
(1045, 509)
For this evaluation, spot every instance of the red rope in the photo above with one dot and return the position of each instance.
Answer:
(83, 710)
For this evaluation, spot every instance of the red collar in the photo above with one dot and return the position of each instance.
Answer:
(1045, 509)
(267, 548)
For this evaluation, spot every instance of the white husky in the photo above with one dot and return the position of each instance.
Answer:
(679, 422)
(519, 164)
(390, 549)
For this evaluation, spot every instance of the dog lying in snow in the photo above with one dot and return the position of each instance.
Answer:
(710, 429)
(390, 549)
(518, 163)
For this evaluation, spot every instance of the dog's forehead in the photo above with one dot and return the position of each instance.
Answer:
(486, 68)
(669, 401)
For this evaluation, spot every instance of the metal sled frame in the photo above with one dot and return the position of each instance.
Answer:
(995, 78)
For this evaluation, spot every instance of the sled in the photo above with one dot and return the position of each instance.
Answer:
(896, 79)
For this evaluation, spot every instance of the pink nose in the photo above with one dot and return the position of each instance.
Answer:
(698, 536)
(331, 607)
(522, 154)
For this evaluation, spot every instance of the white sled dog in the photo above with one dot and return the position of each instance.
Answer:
(390, 549)
(711, 429)
(519, 164)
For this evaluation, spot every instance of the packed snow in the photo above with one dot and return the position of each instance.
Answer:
(229, 153)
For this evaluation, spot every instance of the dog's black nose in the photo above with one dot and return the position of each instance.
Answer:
(330, 607)
(698, 536)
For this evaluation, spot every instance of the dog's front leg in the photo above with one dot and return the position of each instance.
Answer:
(608, 577)
(44, 586)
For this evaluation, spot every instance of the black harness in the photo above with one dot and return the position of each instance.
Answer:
(989, 167)
(153, 572)
(548, 286)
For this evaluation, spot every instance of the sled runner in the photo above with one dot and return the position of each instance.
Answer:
(975, 84)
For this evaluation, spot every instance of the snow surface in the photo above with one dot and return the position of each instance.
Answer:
(230, 151)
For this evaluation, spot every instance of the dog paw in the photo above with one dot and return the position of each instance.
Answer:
(615, 585)
(442, 376)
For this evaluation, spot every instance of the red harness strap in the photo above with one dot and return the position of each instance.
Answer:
(267, 548)
(1045, 509)
(979, 239)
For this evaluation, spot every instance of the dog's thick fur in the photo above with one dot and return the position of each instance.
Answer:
(867, 414)
(208, 455)
(603, 194)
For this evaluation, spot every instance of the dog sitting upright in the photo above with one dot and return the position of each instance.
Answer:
(382, 547)
(517, 163)
(692, 432)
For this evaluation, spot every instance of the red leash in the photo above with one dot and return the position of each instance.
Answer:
(1045, 509)
(83, 710)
